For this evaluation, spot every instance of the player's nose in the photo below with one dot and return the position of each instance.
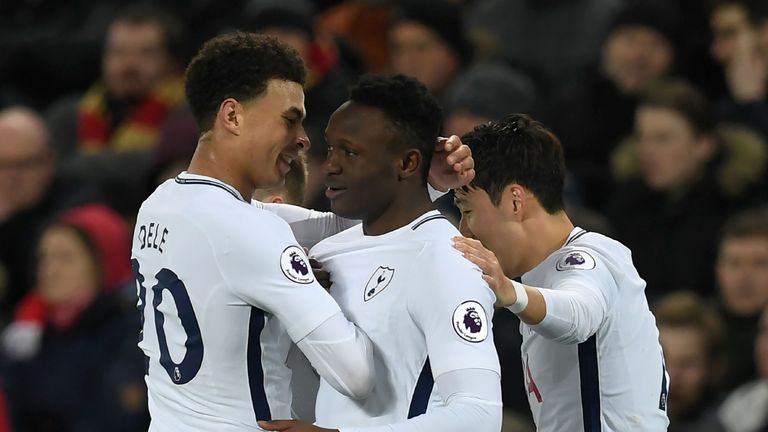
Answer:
(303, 142)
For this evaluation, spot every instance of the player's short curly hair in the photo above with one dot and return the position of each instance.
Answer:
(415, 114)
(518, 149)
(238, 66)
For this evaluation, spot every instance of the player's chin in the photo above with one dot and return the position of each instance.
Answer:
(344, 208)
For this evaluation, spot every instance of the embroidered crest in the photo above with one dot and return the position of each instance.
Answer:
(470, 322)
(295, 265)
(576, 260)
(378, 281)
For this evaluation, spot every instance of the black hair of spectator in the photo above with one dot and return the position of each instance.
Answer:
(684, 99)
(174, 34)
(415, 114)
(237, 65)
(290, 14)
(518, 149)
(661, 16)
(442, 17)
(750, 223)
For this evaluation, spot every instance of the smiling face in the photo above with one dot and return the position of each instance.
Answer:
(362, 166)
(271, 134)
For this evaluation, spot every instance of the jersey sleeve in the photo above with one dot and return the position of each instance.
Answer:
(309, 226)
(472, 402)
(578, 300)
(265, 267)
(453, 307)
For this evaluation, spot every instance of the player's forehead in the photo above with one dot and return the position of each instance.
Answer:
(283, 95)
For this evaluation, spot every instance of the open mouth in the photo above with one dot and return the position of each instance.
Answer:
(334, 192)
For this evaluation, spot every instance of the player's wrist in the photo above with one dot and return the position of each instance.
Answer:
(505, 292)
(520, 297)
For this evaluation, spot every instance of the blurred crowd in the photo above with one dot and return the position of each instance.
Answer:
(661, 107)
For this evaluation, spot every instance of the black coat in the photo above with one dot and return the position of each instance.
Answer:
(86, 378)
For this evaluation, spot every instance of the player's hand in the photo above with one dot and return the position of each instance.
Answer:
(452, 164)
(322, 276)
(292, 426)
(474, 251)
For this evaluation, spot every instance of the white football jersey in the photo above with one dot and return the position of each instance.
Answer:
(426, 309)
(214, 274)
(615, 380)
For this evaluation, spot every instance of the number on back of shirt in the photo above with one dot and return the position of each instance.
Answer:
(184, 371)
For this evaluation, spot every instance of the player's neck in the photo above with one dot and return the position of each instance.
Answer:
(548, 233)
(207, 162)
(400, 212)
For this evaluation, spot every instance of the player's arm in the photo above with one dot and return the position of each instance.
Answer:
(273, 274)
(453, 307)
(472, 403)
(342, 354)
(567, 313)
(309, 226)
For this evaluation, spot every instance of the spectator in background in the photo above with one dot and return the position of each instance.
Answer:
(691, 334)
(593, 116)
(80, 370)
(107, 134)
(427, 41)
(740, 45)
(31, 191)
(742, 277)
(485, 92)
(746, 409)
(552, 40)
(328, 76)
(679, 179)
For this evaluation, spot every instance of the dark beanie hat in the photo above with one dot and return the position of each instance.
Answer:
(293, 14)
(440, 16)
(492, 91)
(654, 14)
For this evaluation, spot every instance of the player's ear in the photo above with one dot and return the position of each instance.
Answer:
(409, 164)
(230, 116)
(513, 201)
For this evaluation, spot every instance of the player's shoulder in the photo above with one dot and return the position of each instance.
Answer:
(344, 241)
(440, 262)
(587, 252)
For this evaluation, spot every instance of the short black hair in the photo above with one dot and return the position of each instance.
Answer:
(237, 65)
(172, 28)
(518, 149)
(748, 224)
(415, 114)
